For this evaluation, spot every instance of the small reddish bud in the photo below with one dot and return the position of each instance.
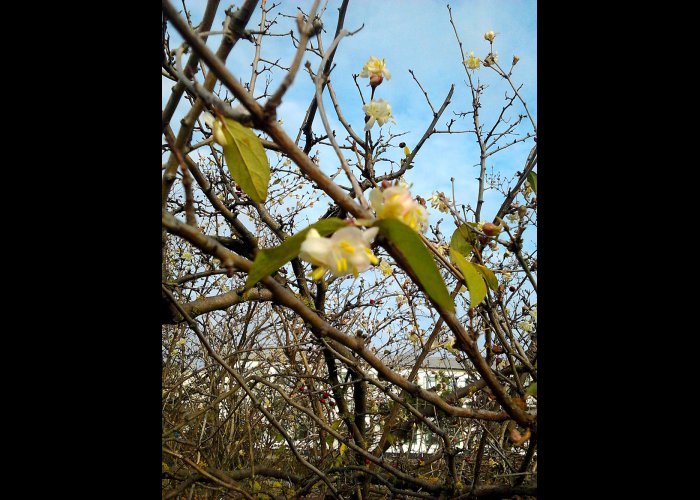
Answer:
(367, 461)
(332, 404)
(512, 288)
(372, 301)
(323, 401)
(325, 395)
(386, 184)
(375, 81)
(402, 144)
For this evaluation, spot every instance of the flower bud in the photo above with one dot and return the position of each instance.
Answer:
(219, 135)
(491, 229)
(489, 36)
(375, 81)
(515, 60)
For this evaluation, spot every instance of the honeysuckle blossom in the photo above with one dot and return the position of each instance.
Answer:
(375, 67)
(440, 201)
(386, 268)
(472, 61)
(379, 111)
(395, 202)
(346, 252)
(490, 59)
(489, 36)
(526, 326)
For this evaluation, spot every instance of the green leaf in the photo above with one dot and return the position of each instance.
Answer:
(488, 275)
(462, 240)
(279, 438)
(410, 245)
(532, 179)
(329, 440)
(475, 281)
(269, 260)
(246, 160)
(532, 390)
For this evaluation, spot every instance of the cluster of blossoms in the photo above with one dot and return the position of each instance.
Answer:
(472, 62)
(348, 250)
(376, 111)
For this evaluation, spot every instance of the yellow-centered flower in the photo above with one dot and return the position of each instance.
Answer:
(472, 61)
(375, 67)
(379, 111)
(385, 268)
(395, 202)
(346, 252)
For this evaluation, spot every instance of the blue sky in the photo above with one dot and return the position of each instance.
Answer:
(408, 34)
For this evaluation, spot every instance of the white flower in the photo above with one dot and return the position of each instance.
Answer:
(346, 252)
(379, 111)
(440, 201)
(395, 202)
(533, 314)
(526, 326)
(507, 276)
(375, 67)
(489, 35)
